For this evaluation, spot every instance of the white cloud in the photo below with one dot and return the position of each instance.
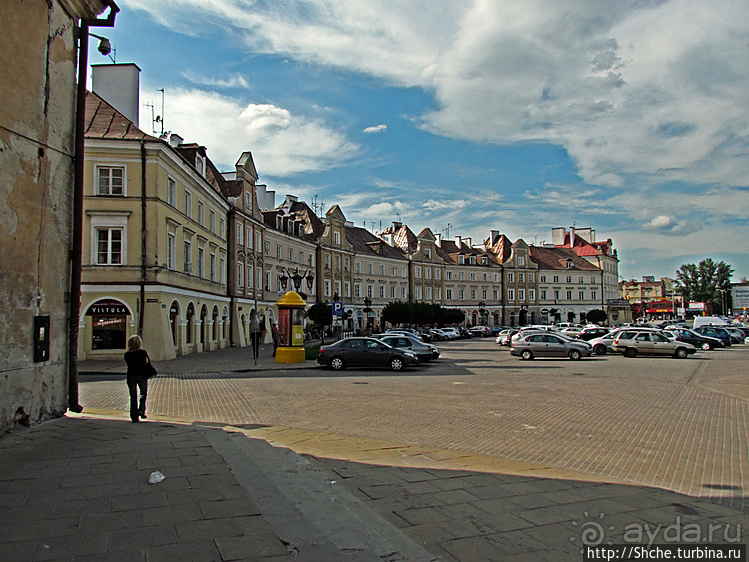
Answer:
(376, 129)
(656, 87)
(236, 81)
(433, 205)
(281, 143)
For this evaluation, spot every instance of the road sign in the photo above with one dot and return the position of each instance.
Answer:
(338, 309)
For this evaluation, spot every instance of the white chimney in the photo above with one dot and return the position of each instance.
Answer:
(175, 140)
(459, 242)
(438, 242)
(572, 237)
(468, 242)
(493, 235)
(119, 86)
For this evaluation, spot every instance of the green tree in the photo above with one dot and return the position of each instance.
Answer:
(596, 316)
(708, 282)
(321, 313)
(397, 312)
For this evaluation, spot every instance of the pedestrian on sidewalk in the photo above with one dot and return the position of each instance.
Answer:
(137, 379)
(255, 342)
(274, 333)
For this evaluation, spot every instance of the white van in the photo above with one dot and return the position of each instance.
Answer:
(709, 320)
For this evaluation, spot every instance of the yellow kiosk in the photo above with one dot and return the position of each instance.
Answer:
(290, 329)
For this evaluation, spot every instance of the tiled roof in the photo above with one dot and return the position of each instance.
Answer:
(556, 258)
(364, 242)
(104, 122)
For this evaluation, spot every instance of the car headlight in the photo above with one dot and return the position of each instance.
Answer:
(411, 355)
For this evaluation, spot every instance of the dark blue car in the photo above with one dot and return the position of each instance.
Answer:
(715, 332)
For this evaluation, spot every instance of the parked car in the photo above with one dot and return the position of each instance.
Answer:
(365, 352)
(544, 344)
(407, 333)
(451, 333)
(715, 332)
(424, 351)
(480, 331)
(697, 340)
(604, 344)
(437, 334)
(737, 336)
(464, 333)
(590, 333)
(650, 342)
(505, 337)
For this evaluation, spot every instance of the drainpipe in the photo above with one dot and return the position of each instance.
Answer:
(143, 235)
(76, 258)
(502, 288)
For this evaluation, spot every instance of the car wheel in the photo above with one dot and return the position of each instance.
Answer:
(630, 352)
(707, 346)
(574, 355)
(527, 355)
(396, 364)
(337, 364)
(681, 353)
(600, 349)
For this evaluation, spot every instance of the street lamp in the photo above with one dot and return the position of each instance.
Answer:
(367, 309)
(296, 279)
(482, 310)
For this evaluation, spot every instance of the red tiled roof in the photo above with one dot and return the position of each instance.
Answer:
(104, 122)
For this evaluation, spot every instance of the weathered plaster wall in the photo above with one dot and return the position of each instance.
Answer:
(37, 121)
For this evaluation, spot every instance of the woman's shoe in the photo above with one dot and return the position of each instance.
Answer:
(135, 420)
(142, 414)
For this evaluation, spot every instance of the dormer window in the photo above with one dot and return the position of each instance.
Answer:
(472, 260)
(200, 164)
(484, 260)
(279, 222)
(461, 259)
(569, 264)
(337, 238)
(521, 260)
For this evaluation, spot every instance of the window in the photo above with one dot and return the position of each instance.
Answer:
(250, 277)
(260, 278)
(556, 296)
(556, 279)
(382, 291)
(370, 291)
(249, 238)
(247, 200)
(581, 295)
(461, 275)
(594, 295)
(347, 288)
(326, 288)
(338, 263)
(521, 260)
(473, 294)
(472, 260)
(484, 260)
(108, 246)
(212, 221)
(171, 192)
(393, 291)
(171, 250)
(212, 267)
(570, 265)
(187, 255)
(111, 180)
(473, 276)
(346, 263)
(404, 272)
(240, 235)
(188, 203)
(382, 269)
(569, 295)
(438, 274)
(427, 272)
(543, 294)
(593, 280)
(461, 260)
(531, 294)
(201, 262)
(484, 294)
(531, 278)
(495, 294)
(357, 267)
(542, 279)
(569, 279)
(485, 276)
(449, 294)
(511, 277)
(338, 288)
(581, 279)
(326, 261)
(267, 281)
(461, 294)
(369, 269)
(259, 240)
(417, 296)
(337, 238)
(403, 293)
(267, 248)
(222, 228)
(448, 275)
(417, 272)
(521, 277)
(240, 275)
(201, 213)
(291, 254)
(521, 294)
(427, 253)
(222, 267)
(357, 290)
(511, 294)
(279, 251)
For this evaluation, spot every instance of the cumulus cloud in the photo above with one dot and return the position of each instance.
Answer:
(282, 143)
(655, 87)
(376, 129)
(236, 81)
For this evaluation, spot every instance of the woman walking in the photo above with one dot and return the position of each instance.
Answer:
(136, 359)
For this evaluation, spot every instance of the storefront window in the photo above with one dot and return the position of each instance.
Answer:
(109, 321)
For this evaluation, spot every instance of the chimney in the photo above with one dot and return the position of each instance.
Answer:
(572, 237)
(175, 140)
(493, 236)
(119, 86)
(459, 242)
(438, 242)
(468, 242)
(397, 226)
(290, 199)
(557, 236)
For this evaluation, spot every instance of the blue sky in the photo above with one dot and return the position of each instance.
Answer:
(631, 118)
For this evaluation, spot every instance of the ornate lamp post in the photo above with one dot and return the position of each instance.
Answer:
(482, 311)
(367, 310)
(296, 280)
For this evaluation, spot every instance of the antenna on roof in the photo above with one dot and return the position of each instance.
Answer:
(447, 230)
(160, 118)
(372, 223)
(399, 216)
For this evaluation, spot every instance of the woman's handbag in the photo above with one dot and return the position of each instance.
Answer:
(149, 370)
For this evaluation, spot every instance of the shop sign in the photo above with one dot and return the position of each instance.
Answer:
(108, 308)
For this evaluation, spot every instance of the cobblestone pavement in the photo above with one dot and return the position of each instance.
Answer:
(674, 424)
